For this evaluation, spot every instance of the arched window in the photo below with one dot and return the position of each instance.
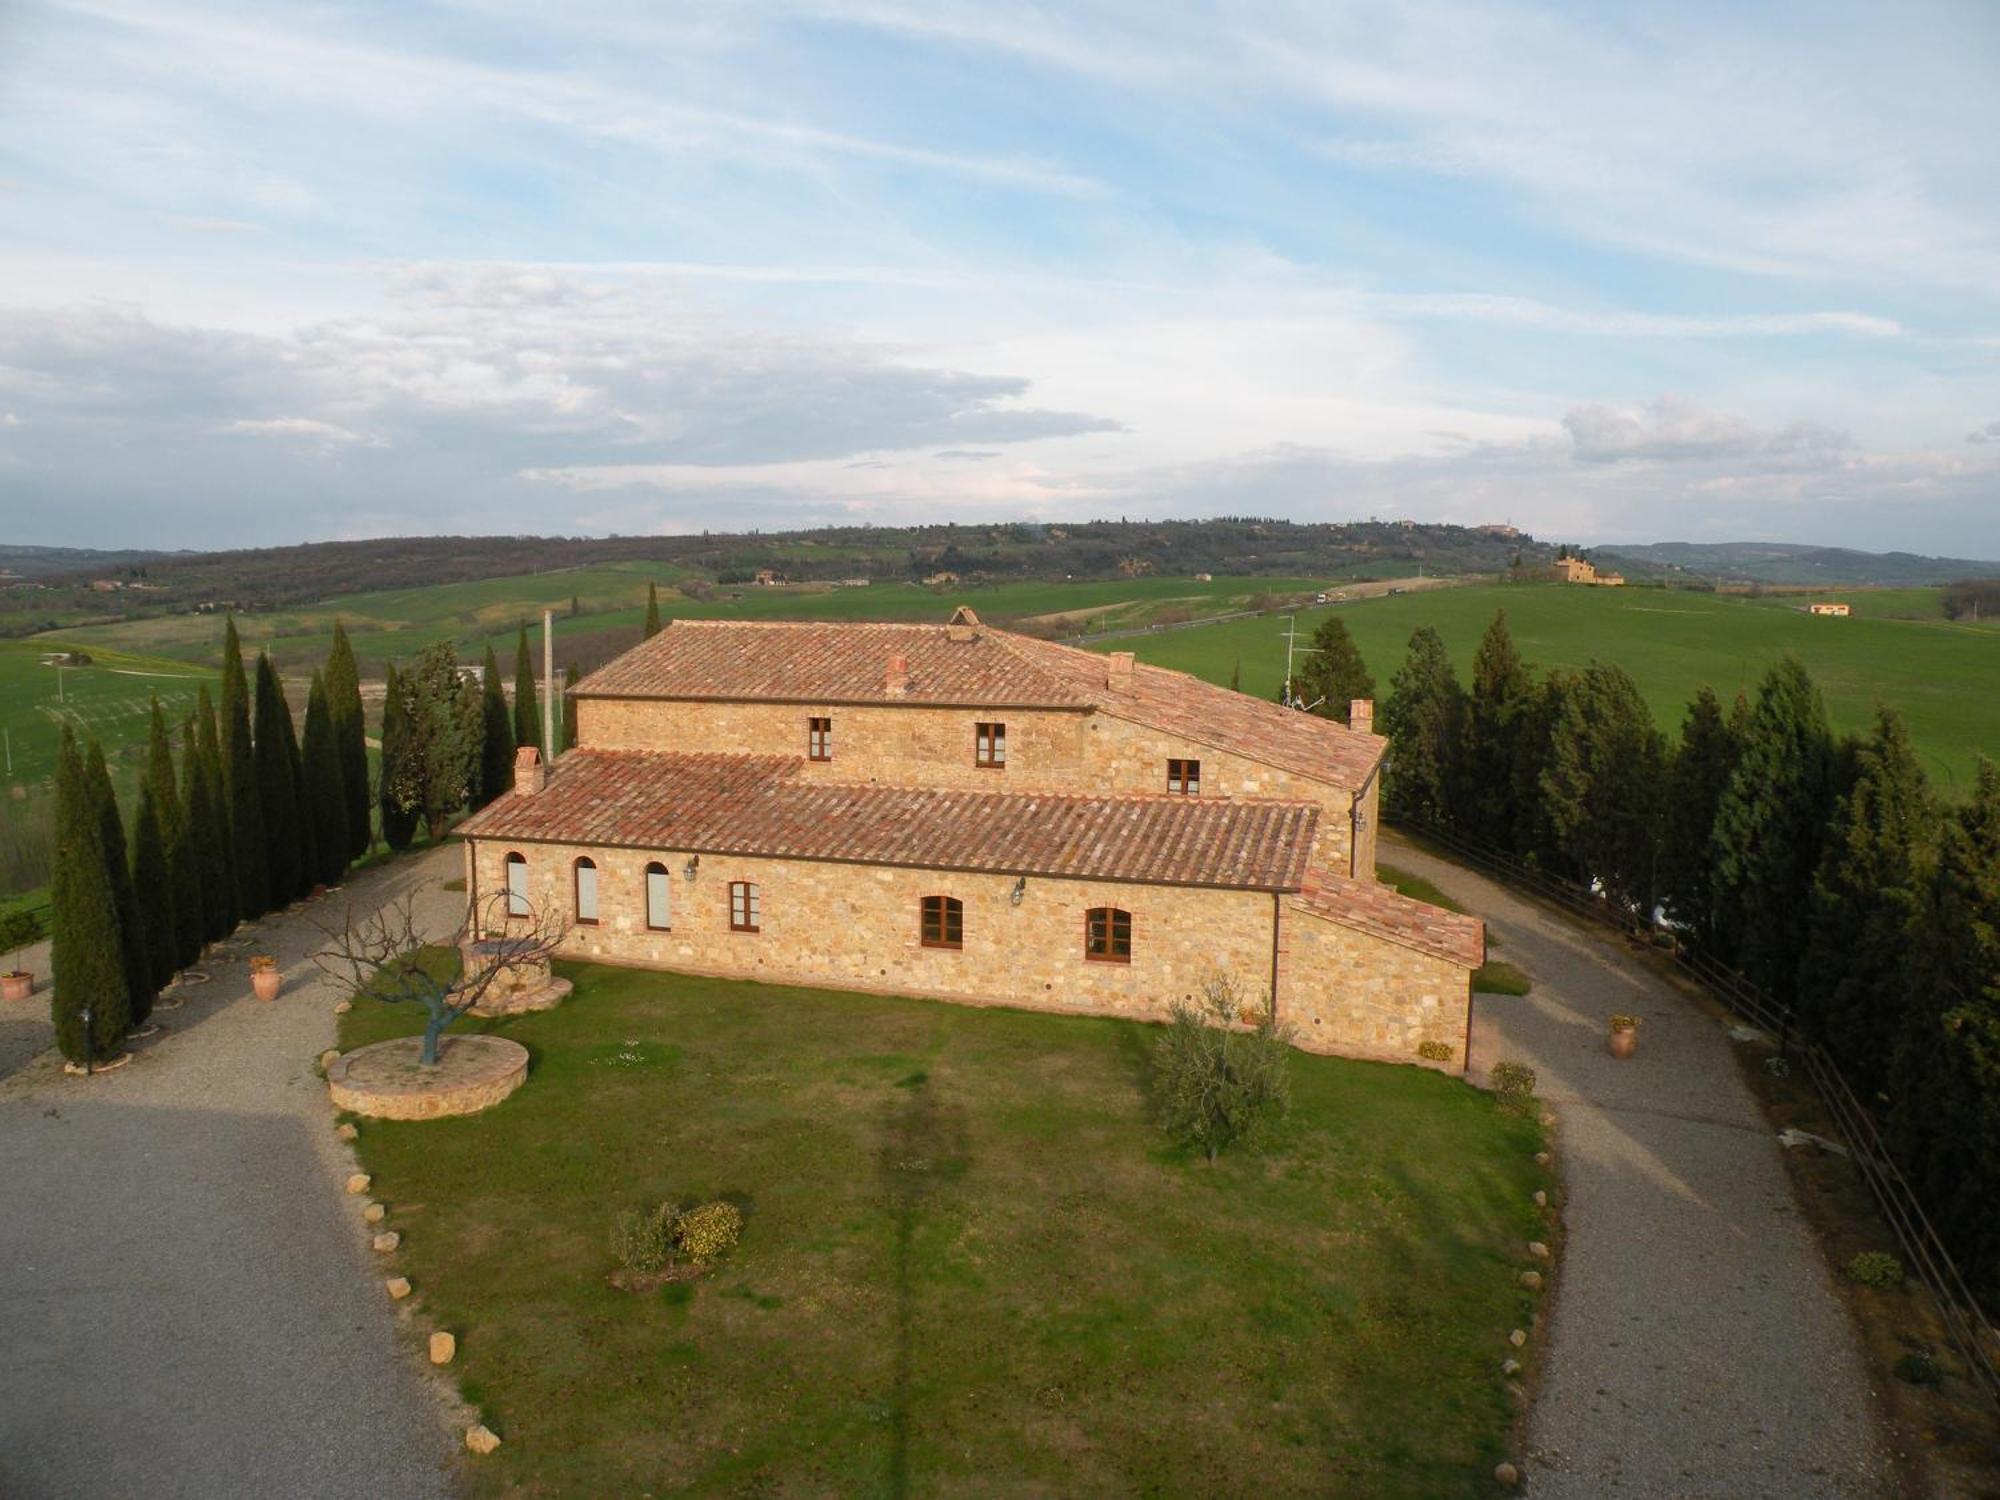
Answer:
(517, 885)
(943, 922)
(659, 897)
(744, 915)
(586, 892)
(1107, 935)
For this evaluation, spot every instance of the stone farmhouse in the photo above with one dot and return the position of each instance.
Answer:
(1829, 608)
(962, 813)
(1576, 570)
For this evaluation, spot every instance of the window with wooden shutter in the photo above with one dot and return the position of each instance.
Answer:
(1107, 935)
(989, 746)
(743, 913)
(819, 739)
(1184, 776)
(659, 897)
(943, 922)
(586, 893)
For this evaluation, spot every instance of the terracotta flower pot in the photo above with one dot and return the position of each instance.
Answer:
(1624, 1041)
(267, 983)
(17, 985)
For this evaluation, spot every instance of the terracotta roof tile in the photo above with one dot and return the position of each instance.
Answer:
(757, 805)
(791, 662)
(1386, 912)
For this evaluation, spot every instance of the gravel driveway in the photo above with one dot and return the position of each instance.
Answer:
(187, 1303)
(1697, 1347)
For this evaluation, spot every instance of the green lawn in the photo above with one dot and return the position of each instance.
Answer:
(970, 1267)
(1944, 678)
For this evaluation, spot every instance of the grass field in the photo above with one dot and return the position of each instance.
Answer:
(969, 1266)
(612, 599)
(1944, 678)
(110, 699)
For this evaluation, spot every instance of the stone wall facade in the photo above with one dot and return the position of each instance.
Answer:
(858, 927)
(1074, 751)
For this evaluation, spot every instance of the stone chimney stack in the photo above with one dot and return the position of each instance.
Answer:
(896, 681)
(529, 773)
(1118, 671)
(1361, 715)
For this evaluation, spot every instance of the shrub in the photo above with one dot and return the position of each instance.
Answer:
(18, 928)
(1920, 1368)
(1876, 1268)
(710, 1232)
(1216, 1085)
(644, 1242)
(1434, 1051)
(1514, 1083)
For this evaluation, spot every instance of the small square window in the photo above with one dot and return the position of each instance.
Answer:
(989, 746)
(1107, 935)
(819, 739)
(1184, 776)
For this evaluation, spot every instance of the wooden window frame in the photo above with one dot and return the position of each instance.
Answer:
(819, 738)
(1110, 915)
(950, 919)
(656, 867)
(989, 744)
(507, 866)
(751, 905)
(1183, 777)
(576, 868)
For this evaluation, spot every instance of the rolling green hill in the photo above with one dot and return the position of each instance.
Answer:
(110, 699)
(1944, 678)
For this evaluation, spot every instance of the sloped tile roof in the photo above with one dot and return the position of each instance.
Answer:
(793, 662)
(1179, 704)
(1386, 912)
(758, 805)
(780, 661)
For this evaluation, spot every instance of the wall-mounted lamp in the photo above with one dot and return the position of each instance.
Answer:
(1020, 890)
(693, 864)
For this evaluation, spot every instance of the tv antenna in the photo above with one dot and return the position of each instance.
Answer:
(1292, 647)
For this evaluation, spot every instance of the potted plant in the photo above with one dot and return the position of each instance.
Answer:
(17, 930)
(1624, 1035)
(264, 977)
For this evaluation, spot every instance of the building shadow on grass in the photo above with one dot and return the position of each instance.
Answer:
(924, 1151)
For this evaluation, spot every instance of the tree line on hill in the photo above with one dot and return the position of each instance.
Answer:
(257, 816)
(1823, 869)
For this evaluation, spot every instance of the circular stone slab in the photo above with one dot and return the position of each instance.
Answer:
(386, 1081)
(500, 1001)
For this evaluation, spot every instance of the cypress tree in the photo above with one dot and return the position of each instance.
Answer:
(496, 750)
(1867, 895)
(135, 942)
(1530, 829)
(1696, 778)
(249, 858)
(304, 818)
(152, 889)
(87, 955)
(1236, 676)
(652, 611)
(1944, 1116)
(399, 823)
(277, 785)
(350, 741)
(1333, 674)
(1601, 788)
(208, 877)
(226, 909)
(1769, 827)
(1423, 720)
(527, 712)
(566, 740)
(1495, 709)
(182, 865)
(325, 787)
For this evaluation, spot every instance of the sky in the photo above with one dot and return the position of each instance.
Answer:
(274, 272)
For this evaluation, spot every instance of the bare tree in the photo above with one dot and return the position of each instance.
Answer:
(382, 956)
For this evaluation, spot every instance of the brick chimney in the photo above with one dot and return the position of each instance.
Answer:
(963, 625)
(1118, 671)
(1361, 715)
(896, 681)
(529, 774)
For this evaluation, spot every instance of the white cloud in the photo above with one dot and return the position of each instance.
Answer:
(1672, 430)
(1990, 433)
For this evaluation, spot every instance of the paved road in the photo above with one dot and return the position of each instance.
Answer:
(188, 1306)
(1697, 1348)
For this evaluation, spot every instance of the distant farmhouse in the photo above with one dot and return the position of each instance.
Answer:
(1829, 608)
(1576, 570)
(961, 813)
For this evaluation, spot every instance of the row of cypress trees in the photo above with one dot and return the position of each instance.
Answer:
(1823, 868)
(250, 822)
